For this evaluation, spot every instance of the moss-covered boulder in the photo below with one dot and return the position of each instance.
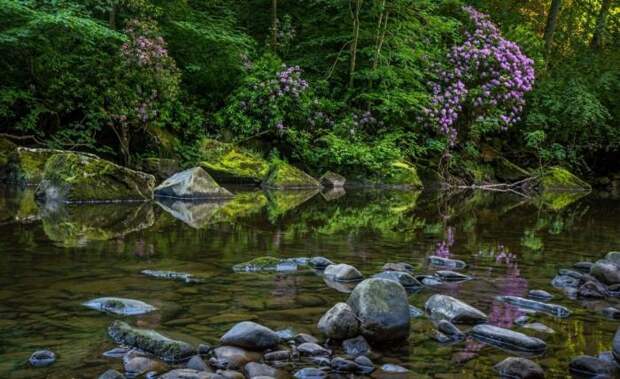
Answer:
(285, 176)
(401, 174)
(27, 165)
(160, 168)
(7, 149)
(228, 163)
(560, 179)
(76, 177)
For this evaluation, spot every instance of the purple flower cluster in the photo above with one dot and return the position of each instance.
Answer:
(144, 48)
(290, 81)
(487, 81)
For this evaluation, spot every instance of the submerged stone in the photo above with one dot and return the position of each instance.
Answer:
(508, 339)
(342, 273)
(586, 365)
(332, 180)
(616, 345)
(592, 289)
(285, 176)
(450, 330)
(520, 368)
(311, 349)
(192, 184)
(250, 335)
(186, 373)
(415, 312)
(446, 262)
(342, 365)
(382, 308)
(111, 374)
(451, 276)
(552, 309)
(339, 322)
(612, 313)
(565, 281)
(172, 275)
(392, 368)
(454, 310)
(255, 369)
(75, 177)
(539, 327)
(120, 306)
(150, 341)
(540, 295)
(266, 264)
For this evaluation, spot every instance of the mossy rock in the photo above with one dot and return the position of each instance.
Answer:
(286, 176)
(27, 164)
(7, 149)
(228, 163)
(76, 177)
(160, 168)
(401, 173)
(560, 179)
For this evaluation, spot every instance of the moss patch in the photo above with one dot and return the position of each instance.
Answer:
(560, 179)
(286, 176)
(228, 163)
(402, 173)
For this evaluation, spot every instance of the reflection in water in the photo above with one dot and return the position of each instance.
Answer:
(53, 260)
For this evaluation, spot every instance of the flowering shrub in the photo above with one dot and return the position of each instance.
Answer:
(485, 84)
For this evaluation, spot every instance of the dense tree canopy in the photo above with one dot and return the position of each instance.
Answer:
(331, 84)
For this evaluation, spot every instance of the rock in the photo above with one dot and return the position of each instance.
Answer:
(450, 330)
(342, 273)
(429, 280)
(192, 184)
(111, 374)
(616, 345)
(231, 374)
(586, 365)
(520, 368)
(446, 262)
(382, 307)
(507, 339)
(254, 369)
(404, 278)
(286, 334)
(559, 179)
(117, 352)
(140, 365)
(592, 290)
(451, 276)
(344, 287)
(279, 355)
(453, 310)
(319, 262)
(172, 275)
(42, 358)
(303, 338)
(354, 347)
(522, 320)
(344, 365)
(27, 165)
(606, 271)
(365, 364)
(552, 309)
(415, 312)
(584, 267)
(310, 373)
(611, 313)
(398, 266)
(228, 163)
(197, 363)
(160, 168)
(321, 361)
(186, 373)
(250, 335)
(565, 281)
(311, 349)
(120, 306)
(614, 257)
(285, 176)
(572, 273)
(339, 322)
(539, 327)
(392, 368)
(332, 180)
(75, 177)
(401, 174)
(265, 264)
(540, 295)
(232, 357)
(150, 341)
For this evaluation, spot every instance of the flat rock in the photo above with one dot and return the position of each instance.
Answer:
(508, 339)
(339, 322)
(520, 368)
(552, 309)
(454, 310)
(192, 184)
(150, 341)
(342, 273)
(120, 306)
(382, 307)
(172, 275)
(250, 335)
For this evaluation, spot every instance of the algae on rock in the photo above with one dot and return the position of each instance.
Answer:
(285, 176)
(229, 163)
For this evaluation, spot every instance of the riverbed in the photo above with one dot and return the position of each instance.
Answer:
(54, 258)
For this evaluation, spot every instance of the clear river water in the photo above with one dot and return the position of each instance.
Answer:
(54, 259)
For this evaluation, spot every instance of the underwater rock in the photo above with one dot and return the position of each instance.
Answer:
(451, 276)
(42, 358)
(266, 264)
(611, 313)
(539, 327)
(592, 289)
(415, 312)
(186, 373)
(382, 307)
(150, 341)
(228, 163)
(120, 306)
(332, 180)
(250, 335)
(446, 262)
(565, 281)
(339, 322)
(392, 368)
(342, 273)
(111, 374)
(519, 368)
(616, 345)
(552, 309)
(508, 339)
(192, 184)
(278, 355)
(137, 366)
(285, 176)
(197, 363)
(398, 266)
(540, 295)
(75, 177)
(454, 310)
(172, 275)
(583, 266)
(588, 366)
(405, 279)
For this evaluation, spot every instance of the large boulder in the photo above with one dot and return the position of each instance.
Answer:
(285, 176)
(250, 335)
(229, 163)
(192, 184)
(76, 177)
(507, 339)
(382, 308)
(27, 165)
(339, 322)
(448, 308)
(150, 341)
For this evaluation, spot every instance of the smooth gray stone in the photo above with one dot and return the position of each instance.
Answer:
(508, 339)
(120, 306)
(42, 358)
(552, 309)
(446, 262)
(448, 308)
(250, 335)
(520, 368)
(586, 365)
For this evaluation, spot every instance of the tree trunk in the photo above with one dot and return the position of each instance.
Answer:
(552, 19)
(355, 15)
(597, 36)
(274, 24)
